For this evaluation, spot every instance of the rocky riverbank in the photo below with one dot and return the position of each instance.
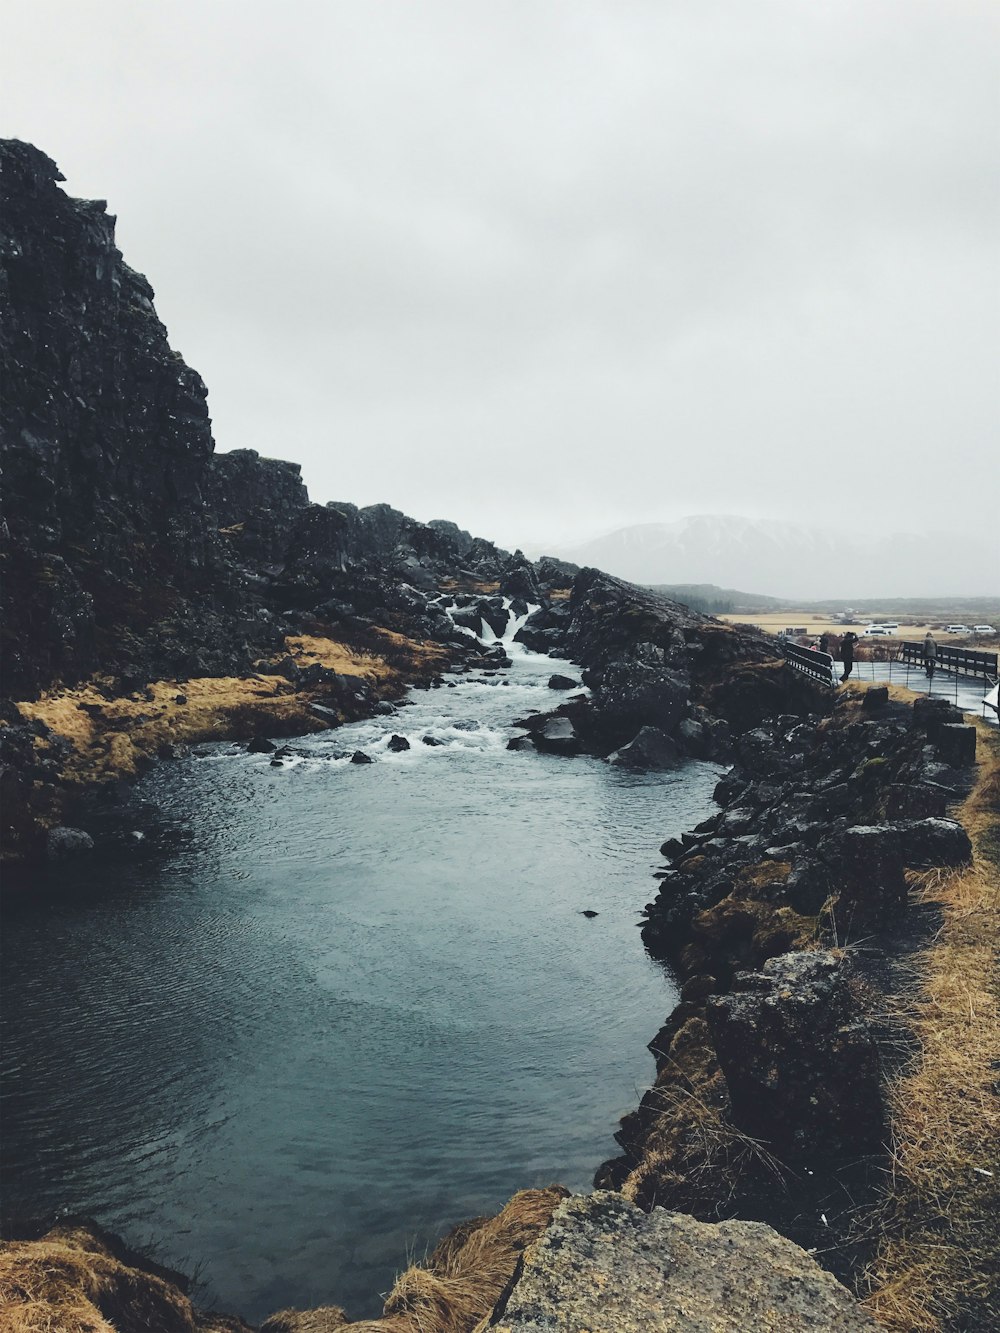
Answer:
(800, 921)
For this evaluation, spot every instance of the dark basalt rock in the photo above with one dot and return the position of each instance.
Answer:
(866, 864)
(553, 574)
(914, 801)
(956, 744)
(520, 743)
(934, 842)
(397, 744)
(63, 844)
(260, 745)
(359, 757)
(650, 749)
(930, 711)
(173, 750)
(558, 736)
(800, 1063)
(518, 579)
(557, 682)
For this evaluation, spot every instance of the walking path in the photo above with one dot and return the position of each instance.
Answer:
(965, 693)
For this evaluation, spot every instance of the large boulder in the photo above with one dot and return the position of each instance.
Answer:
(650, 749)
(915, 800)
(867, 868)
(557, 736)
(956, 744)
(639, 688)
(799, 1059)
(603, 1264)
(934, 842)
(62, 844)
(519, 579)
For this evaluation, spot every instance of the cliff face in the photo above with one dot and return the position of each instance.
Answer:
(106, 446)
(129, 546)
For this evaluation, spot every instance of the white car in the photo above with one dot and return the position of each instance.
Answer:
(879, 631)
(983, 629)
(957, 629)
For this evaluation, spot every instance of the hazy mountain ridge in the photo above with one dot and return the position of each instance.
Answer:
(793, 560)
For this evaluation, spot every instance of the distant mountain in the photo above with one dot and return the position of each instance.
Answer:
(712, 600)
(794, 560)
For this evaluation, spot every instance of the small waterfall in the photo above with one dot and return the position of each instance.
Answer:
(486, 636)
(514, 623)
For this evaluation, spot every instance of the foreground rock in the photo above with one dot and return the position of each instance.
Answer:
(605, 1265)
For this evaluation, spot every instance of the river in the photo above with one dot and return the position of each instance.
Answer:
(354, 1005)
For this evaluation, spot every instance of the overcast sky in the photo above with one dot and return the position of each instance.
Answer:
(550, 268)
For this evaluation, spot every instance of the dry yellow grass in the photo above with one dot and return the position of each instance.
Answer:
(815, 622)
(75, 1281)
(938, 1267)
(112, 738)
(456, 1290)
(70, 1282)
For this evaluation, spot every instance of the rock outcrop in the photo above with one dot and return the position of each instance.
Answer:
(652, 662)
(603, 1264)
(779, 915)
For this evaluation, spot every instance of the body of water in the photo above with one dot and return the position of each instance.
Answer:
(356, 1005)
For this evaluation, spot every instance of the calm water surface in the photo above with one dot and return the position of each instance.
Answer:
(357, 1005)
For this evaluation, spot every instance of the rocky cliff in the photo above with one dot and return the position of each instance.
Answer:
(130, 546)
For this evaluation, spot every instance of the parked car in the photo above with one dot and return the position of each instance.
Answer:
(879, 631)
(957, 629)
(983, 629)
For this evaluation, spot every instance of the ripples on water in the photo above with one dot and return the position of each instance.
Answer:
(357, 1006)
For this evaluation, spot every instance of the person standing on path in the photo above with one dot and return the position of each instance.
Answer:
(847, 652)
(930, 655)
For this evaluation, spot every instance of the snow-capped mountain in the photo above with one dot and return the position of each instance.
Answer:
(795, 560)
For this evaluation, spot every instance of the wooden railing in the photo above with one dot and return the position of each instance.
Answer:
(810, 661)
(956, 661)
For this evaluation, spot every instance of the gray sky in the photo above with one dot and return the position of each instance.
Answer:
(551, 268)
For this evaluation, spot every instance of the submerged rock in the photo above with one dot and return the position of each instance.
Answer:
(63, 843)
(520, 743)
(602, 1264)
(651, 749)
(359, 757)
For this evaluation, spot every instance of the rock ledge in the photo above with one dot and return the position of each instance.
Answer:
(605, 1265)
